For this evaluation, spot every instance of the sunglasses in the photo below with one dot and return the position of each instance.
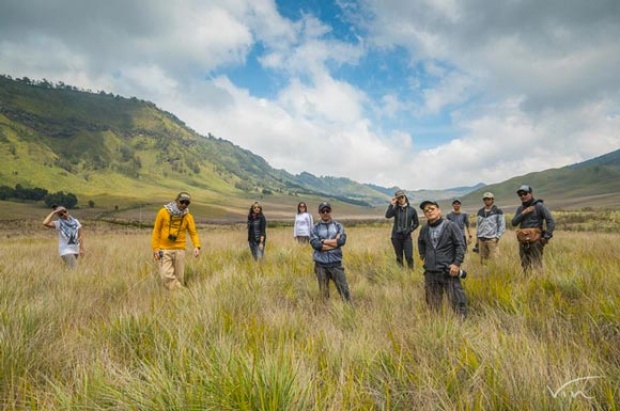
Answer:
(62, 213)
(185, 202)
(429, 209)
(522, 194)
(325, 211)
(302, 206)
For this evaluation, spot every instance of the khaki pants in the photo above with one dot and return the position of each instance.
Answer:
(172, 268)
(488, 248)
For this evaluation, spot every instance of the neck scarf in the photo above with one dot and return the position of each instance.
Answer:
(174, 210)
(68, 229)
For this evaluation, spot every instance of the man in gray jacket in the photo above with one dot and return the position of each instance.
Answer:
(442, 251)
(533, 216)
(327, 237)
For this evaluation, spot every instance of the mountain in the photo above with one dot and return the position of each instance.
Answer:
(100, 145)
(592, 183)
(416, 196)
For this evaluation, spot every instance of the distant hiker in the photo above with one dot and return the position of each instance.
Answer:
(303, 224)
(461, 219)
(532, 216)
(257, 231)
(442, 250)
(327, 239)
(405, 222)
(70, 235)
(168, 240)
(490, 226)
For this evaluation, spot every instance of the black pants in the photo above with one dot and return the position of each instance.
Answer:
(531, 255)
(336, 274)
(436, 283)
(403, 247)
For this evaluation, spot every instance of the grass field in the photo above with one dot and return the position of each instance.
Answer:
(248, 336)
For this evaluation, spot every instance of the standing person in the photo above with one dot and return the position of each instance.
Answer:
(532, 216)
(405, 222)
(70, 237)
(168, 240)
(490, 226)
(257, 231)
(442, 250)
(461, 219)
(327, 239)
(303, 224)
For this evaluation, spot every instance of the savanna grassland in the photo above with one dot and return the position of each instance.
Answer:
(248, 336)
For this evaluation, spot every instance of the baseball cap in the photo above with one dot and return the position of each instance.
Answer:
(456, 200)
(427, 202)
(324, 205)
(488, 194)
(399, 193)
(525, 188)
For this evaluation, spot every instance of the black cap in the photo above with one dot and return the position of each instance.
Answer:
(456, 200)
(324, 205)
(427, 202)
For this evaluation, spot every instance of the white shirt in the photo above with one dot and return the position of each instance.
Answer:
(303, 225)
(68, 244)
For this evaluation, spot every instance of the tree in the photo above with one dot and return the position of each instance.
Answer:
(68, 200)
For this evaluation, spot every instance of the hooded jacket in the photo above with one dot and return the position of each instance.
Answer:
(450, 248)
(536, 219)
(405, 219)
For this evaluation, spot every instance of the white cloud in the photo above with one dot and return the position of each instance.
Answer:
(516, 80)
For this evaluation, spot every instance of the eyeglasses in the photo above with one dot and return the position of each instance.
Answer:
(429, 209)
(185, 202)
(325, 211)
(522, 194)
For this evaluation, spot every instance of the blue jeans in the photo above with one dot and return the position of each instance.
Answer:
(257, 253)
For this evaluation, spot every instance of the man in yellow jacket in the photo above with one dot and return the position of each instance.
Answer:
(168, 240)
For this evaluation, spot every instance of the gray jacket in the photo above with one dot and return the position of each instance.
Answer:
(450, 248)
(535, 219)
(327, 231)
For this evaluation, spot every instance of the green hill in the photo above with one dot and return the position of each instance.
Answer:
(593, 183)
(109, 148)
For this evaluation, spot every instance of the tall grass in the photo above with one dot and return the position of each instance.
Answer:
(248, 336)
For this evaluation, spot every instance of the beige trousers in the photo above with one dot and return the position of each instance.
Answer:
(488, 249)
(172, 268)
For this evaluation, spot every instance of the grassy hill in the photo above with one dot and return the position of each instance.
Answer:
(593, 183)
(125, 154)
(112, 149)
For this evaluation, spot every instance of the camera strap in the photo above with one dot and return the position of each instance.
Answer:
(170, 225)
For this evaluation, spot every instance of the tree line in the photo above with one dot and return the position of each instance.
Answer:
(68, 200)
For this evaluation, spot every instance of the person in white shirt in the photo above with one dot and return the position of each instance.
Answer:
(70, 238)
(303, 224)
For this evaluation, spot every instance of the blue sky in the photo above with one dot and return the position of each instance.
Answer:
(419, 94)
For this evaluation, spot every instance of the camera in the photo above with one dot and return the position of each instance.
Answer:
(462, 274)
(172, 237)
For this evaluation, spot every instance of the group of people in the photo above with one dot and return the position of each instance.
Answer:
(442, 242)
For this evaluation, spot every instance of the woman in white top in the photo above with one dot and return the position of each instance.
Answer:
(303, 224)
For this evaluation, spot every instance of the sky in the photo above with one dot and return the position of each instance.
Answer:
(419, 94)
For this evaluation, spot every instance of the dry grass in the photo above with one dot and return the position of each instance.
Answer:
(248, 336)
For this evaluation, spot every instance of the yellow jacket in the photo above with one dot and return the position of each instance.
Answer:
(166, 224)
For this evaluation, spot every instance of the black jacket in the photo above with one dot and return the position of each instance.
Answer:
(450, 247)
(405, 219)
(540, 215)
(262, 228)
